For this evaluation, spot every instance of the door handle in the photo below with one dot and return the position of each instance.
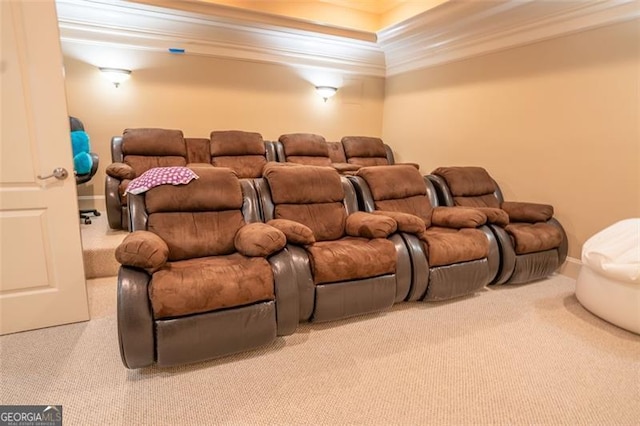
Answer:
(59, 173)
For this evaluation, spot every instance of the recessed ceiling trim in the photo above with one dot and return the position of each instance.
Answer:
(477, 28)
(454, 30)
(152, 28)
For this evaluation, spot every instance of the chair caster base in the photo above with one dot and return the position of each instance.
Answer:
(84, 215)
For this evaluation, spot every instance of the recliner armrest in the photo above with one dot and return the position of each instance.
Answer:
(368, 225)
(345, 167)
(408, 223)
(458, 217)
(296, 233)
(259, 240)
(120, 171)
(143, 249)
(527, 212)
(495, 216)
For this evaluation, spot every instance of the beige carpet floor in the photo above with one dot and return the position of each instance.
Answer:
(99, 243)
(512, 355)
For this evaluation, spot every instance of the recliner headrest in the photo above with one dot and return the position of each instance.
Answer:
(363, 146)
(153, 142)
(236, 142)
(304, 144)
(216, 189)
(393, 182)
(466, 181)
(303, 184)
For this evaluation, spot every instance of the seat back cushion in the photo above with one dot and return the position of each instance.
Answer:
(305, 148)
(198, 219)
(365, 151)
(469, 186)
(398, 188)
(143, 149)
(243, 152)
(309, 195)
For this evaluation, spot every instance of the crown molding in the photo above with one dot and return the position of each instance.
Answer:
(459, 30)
(219, 31)
(452, 31)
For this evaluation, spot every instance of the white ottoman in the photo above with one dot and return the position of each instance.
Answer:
(609, 280)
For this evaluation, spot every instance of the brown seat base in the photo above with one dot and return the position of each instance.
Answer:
(534, 266)
(351, 298)
(211, 335)
(462, 279)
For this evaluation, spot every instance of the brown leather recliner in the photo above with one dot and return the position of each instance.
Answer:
(369, 151)
(347, 262)
(200, 276)
(533, 244)
(133, 153)
(243, 152)
(246, 153)
(452, 253)
(308, 149)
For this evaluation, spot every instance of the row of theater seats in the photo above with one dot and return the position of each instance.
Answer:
(222, 264)
(139, 150)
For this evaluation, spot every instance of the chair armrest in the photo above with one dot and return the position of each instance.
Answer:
(120, 171)
(345, 167)
(259, 240)
(135, 319)
(296, 233)
(95, 163)
(368, 225)
(143, 249)
(286, 289)
(199, 165)
(458, 217)
(495, 216)
(113, 202)
(527, 212)
(408, 223)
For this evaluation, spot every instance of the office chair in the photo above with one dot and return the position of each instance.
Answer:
(75, 124)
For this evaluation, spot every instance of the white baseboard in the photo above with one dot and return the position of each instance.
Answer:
(571, 267)
(97, 202)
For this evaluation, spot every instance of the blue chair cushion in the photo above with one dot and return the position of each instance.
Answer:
(80, 142)
(82, 163)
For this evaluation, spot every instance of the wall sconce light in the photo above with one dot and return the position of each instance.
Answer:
(326, 92)
(115, 75)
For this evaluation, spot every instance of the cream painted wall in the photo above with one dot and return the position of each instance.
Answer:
(200, 94)
(554, 122)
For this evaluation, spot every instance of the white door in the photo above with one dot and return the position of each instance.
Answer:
(41, 271)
